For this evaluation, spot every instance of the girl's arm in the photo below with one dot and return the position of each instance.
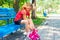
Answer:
(29, 17)
(24, 15)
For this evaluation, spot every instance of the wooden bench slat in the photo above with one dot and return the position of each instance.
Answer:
(6, 14)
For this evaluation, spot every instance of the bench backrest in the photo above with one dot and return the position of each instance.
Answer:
(7, 13)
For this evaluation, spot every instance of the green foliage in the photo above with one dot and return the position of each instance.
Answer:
(6, 3)
(38, 21)
(22, 2)
(9, 3)
(46, 4)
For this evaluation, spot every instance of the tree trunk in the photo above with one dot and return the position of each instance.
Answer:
(16, 5)
(33, 10)
(9, 4)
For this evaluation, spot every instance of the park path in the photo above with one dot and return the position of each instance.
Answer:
(50, 30)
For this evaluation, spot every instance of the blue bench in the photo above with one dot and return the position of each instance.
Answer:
(7, 14)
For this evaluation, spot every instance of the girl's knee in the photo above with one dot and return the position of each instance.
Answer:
(26, 21)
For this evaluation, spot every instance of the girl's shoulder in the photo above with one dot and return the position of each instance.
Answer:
(23, 11)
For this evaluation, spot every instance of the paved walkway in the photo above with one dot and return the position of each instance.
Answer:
(50, 30)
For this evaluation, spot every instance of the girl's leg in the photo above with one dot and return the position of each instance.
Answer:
(31, 24)
(26, 25)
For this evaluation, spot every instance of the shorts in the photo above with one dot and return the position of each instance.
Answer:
(18, 22)
(22, 26)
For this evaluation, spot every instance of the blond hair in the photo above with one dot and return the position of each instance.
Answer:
(27, 4)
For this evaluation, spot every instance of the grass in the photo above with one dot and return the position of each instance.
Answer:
(38, 21)
(3, 22)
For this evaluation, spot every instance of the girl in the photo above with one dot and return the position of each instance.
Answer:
(23, 17)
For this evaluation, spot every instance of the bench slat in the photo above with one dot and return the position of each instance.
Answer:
(6, 14)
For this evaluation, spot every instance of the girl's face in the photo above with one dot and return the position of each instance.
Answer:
(28, 8)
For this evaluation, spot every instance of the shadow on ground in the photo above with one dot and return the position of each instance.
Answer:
(15, 36)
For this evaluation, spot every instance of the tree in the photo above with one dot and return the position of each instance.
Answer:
(16, 5)
(21, 3)
(33, 10)
(2, 2)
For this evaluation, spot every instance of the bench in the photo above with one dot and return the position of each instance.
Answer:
(8, 14)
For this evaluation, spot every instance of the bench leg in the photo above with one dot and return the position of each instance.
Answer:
(5, 38)
(2, 38)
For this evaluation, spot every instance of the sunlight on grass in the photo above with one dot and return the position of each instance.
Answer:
(2, 22)
(38, 21)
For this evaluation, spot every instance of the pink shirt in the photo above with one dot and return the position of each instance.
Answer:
(19, 15)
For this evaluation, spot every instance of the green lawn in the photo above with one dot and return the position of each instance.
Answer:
(3, 22)
(38, 21)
